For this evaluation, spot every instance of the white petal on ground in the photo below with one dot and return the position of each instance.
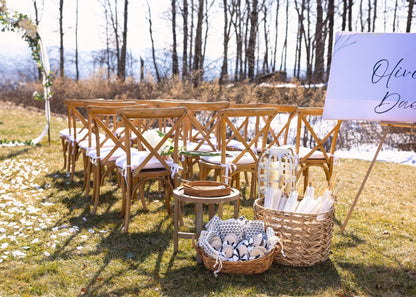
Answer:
(18, 254)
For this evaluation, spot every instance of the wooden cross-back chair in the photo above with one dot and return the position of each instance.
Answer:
(232, 162)
(321, 152)
(142, 166)
(199, 132)
(105, 146)
(78, 131)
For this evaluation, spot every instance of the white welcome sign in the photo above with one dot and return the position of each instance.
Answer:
(372, 77)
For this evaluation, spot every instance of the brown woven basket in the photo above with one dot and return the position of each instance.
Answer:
(206, 189)
(251, 267)
(306, 240)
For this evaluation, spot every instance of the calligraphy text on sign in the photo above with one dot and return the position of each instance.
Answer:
(384, 74)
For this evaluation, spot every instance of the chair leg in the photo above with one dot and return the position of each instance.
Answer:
(124, 189)
(64, 149)
(167, 201)
(87, 178)
(306, 178)
(202, 174)
(69, 157)
(87, 170)
(96, 186)
(253, 186)
(74, 160)
(127, 211)
(142, 198)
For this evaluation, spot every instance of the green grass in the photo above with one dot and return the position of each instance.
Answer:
(69, 252)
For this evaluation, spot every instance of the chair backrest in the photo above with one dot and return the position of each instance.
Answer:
(77, 117)
(200, 125)
(130, 116)
(77, 114)
(103, 120)
(236, 121)
(307, 133)
(280, 126)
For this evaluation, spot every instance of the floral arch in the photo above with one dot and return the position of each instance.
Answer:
(21, 23)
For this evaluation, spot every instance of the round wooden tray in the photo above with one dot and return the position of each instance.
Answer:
(206, 189)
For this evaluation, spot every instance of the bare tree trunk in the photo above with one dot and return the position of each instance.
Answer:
(276, 28)
(122, 64)
(369, 16)
(141, 69)
(191, 35)
(152, 41)
(344, 15)
(175, 63)
(395, 16)
(226, 36)
(301, 33)
(185, 40)
(284, 49)
(361, 16)
(114, 23)
(107, 44)
(374, 16)
(266, 41)
(319, 45)
(207, 7)
(250, 52)
(308, 44)
(76, 43)
(61, 39)
(239, 40)
(409, 16)
(350, 4)
(244, 69)
(198, 44)
(331, 11)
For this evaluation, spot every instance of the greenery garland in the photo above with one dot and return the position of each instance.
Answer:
(19, 22)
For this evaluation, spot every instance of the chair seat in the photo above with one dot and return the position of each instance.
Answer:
(118, 153)
(84, 144)
(230, 156)
(67, 132)
(137, 157)
(191, 146)
(80, 134)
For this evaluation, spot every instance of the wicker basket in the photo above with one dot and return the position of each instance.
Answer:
(306, 238)
(206, 189)
(251, 267)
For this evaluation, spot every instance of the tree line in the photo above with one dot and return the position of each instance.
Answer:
(260, 38)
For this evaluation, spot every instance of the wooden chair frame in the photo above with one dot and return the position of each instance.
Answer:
(326, 162)
(140, 175)
(75, 116)
(225, 124)
(195, 131)
(103, 118)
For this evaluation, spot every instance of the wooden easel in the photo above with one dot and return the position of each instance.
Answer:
(388, 125)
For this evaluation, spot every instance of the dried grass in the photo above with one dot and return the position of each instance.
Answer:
(98, 86)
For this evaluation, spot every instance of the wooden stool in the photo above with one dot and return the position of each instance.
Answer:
(179, 196)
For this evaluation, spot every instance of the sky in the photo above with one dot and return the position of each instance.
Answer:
(91, 32)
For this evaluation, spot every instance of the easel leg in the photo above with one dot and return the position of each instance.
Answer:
(365, 178)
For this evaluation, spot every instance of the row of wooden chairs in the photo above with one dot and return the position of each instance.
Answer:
(109, 136)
